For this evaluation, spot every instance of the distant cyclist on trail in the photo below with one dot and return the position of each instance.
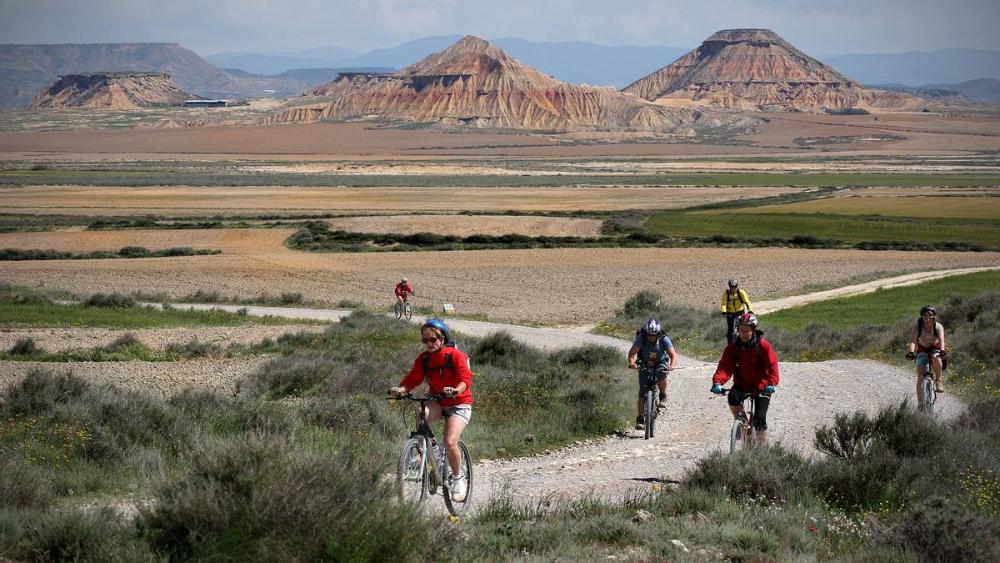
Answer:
(403, 291)
(446, 370)
(652, 348)
(735, 302)
(927, 339)
(751, 363)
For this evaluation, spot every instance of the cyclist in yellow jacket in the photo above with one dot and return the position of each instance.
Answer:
(735, 302)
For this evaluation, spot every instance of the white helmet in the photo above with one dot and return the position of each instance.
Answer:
(652, 326)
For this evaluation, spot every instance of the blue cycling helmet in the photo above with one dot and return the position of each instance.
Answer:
(438, 325)
(652, 326)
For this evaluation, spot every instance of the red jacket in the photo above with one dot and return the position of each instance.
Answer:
(440, 376)
(403, 288)
(752, 367)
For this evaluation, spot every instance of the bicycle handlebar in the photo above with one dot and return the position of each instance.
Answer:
(410, 397)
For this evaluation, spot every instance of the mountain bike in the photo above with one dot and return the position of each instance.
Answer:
(743, 435)
(423, 464)
(928, 389)
(404, 309)
(650, 410)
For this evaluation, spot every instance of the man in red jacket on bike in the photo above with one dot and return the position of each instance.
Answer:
(751, 362)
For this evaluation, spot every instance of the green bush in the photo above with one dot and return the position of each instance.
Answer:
(194, 349)
(938, 530)
(270, 501)
(25, 347)
(109, 300)
(501, 350)
(772, 473)
(76, 535)
(642, 304)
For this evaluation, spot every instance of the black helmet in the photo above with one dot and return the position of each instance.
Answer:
(733, 283)
(928, 309)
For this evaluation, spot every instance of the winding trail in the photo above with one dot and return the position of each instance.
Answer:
(695, 422)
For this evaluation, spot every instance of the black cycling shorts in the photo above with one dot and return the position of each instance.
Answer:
(761, 402)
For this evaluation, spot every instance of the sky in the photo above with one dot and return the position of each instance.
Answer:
(818, 27)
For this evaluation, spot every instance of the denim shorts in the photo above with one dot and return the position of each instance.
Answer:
(461, 411)
(924, 356)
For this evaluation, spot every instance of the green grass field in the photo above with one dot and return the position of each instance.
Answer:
(849, 229)
(38, 315)
(883, 307)
(985, 208)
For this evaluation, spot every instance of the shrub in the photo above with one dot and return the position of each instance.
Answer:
(642, 304)
(109, 300)
(25, 347)
(123, 342)
(939, 530)
(39, 391)
(22, 486)
(270, 501)
(501, 350)
(134, 252)
(76, 535)
(589, 356)
(194, 349)
(290, 298)
(771, 473)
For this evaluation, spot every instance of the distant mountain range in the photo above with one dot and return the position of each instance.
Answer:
(26, 69)
(981, 90)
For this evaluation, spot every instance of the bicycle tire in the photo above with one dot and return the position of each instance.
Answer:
(927, 382)
(408, 311)
(736, 436)
(649, 415)
(457, 508)
(411, 474)
(398, 309)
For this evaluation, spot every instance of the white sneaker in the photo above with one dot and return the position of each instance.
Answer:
(458, 488)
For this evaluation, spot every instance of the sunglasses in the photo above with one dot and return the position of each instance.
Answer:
(429, 340)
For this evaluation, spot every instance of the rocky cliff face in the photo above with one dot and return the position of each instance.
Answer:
(473, 83)
(110, 90)
(755, 69)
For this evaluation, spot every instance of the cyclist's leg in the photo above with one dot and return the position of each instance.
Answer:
(729, 327)
(761, 402)
(921, 359)
(735, 400)
(433, 411)
(661, 384)
(454, 425)
(640, 403)
(936, 366)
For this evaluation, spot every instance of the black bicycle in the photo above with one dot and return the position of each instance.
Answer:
(423, 464)
(404, 309)
(650, 410)
(743, 435)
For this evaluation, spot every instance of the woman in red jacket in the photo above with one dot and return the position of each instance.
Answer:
(751, 362)
(445, 368)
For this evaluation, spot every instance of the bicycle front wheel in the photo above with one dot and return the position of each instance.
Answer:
(736, 436)
(398, 310)
(407, 311)
(458, 507)
(650, 413)
(927, 384)
(411, 478)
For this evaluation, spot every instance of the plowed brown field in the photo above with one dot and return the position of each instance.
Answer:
(181, 200)
(542, 285)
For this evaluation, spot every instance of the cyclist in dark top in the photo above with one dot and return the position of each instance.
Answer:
(652, 348)
(751, 363)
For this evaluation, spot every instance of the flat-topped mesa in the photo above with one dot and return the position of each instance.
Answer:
(473, 83)
(755, 69)
(110, 90)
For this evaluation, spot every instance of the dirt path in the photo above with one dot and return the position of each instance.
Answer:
(857, 289)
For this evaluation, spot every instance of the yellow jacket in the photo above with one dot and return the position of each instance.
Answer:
(733, 303)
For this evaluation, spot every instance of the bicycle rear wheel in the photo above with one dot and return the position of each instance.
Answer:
(407, 310)
(411, 478)
(398, 309)
(458, 507)
(650, 413)
(736, 436)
